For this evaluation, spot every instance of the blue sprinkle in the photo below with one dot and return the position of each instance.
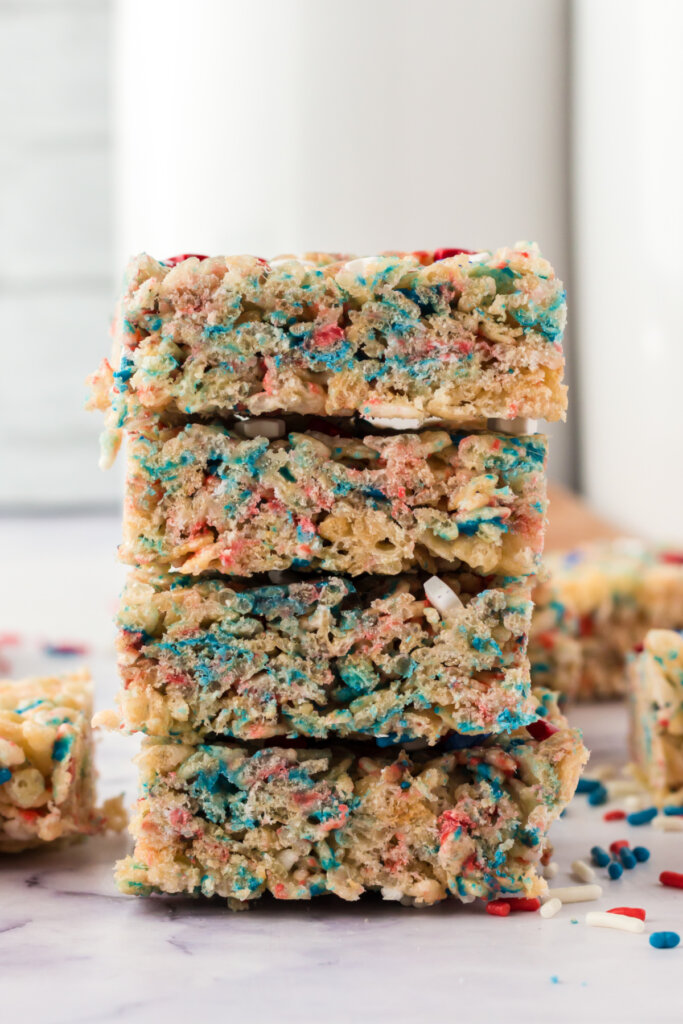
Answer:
(600, 857)
(642, 817)
(588, 785)
(673, 810)
(627, 858)
(615, 870)
(641, 853)
(597, 796)
(456, 740)
(555, 980)
(5, 775)
(665, 940)
(61, 747)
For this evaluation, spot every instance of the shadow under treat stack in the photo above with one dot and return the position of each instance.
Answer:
(334, 517)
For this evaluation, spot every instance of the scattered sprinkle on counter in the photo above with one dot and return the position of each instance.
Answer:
(588, 785)
(665, 940)
(668, 823)
(498, 908)
(672, 879)
(599, 856)
(629, 912)
(641, 853)
(615, 815)
(582, 872)
(627, 858)
(622, 922)
(551, 907)
(554, 979)
(576, 893)
(673, 811)
(618, 845)
(597, 796)
(643, 817)
(615, 870)
(529, 905)
(65, 649)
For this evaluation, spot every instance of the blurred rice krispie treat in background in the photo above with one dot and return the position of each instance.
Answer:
(47, 775)
(594, 607)
(656, 704)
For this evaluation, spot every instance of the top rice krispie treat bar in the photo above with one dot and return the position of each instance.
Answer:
(447, 334)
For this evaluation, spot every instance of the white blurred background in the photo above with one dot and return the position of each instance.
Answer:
(229, 125)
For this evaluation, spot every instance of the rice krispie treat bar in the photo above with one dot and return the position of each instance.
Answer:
(603, 598)
(656, 696)
(446, 334)
(47, 777)
(298, 822)
(204, 498)
(368, 659)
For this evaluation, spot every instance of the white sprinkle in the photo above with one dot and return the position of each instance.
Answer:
(634, 803)
(261, 427)
(441, 596)
(668, 823)
(623, 787)
(551, 869)
(478, 257)
(582, 872)
(389, 893)
(282, 261)
(287, 858)
(395, 423)
(518, 426)
(624, 923)
(551, 907)
(576, 893)
(361, 265)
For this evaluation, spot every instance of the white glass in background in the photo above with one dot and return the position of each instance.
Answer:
(286, 125)
(628, 262)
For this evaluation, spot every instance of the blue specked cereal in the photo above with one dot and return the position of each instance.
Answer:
(229, 820)
(203, 498)
(47, 777)
(449, 335)
(365, 659)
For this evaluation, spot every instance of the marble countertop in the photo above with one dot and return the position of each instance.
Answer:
(72, 949)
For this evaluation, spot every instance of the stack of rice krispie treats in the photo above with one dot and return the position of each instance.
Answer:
(334, 517)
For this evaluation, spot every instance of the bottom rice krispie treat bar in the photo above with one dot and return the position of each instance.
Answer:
(302, 820)
(656, 694)
(47, 777)
(600, 602)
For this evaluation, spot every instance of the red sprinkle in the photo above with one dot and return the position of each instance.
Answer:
(528, 905)
(672, 557)
(614, 815)
(444, 254)
(617, 845)
(173, 261)
(674, 879)
(629, 912)
(499, 908)
(541, 729)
